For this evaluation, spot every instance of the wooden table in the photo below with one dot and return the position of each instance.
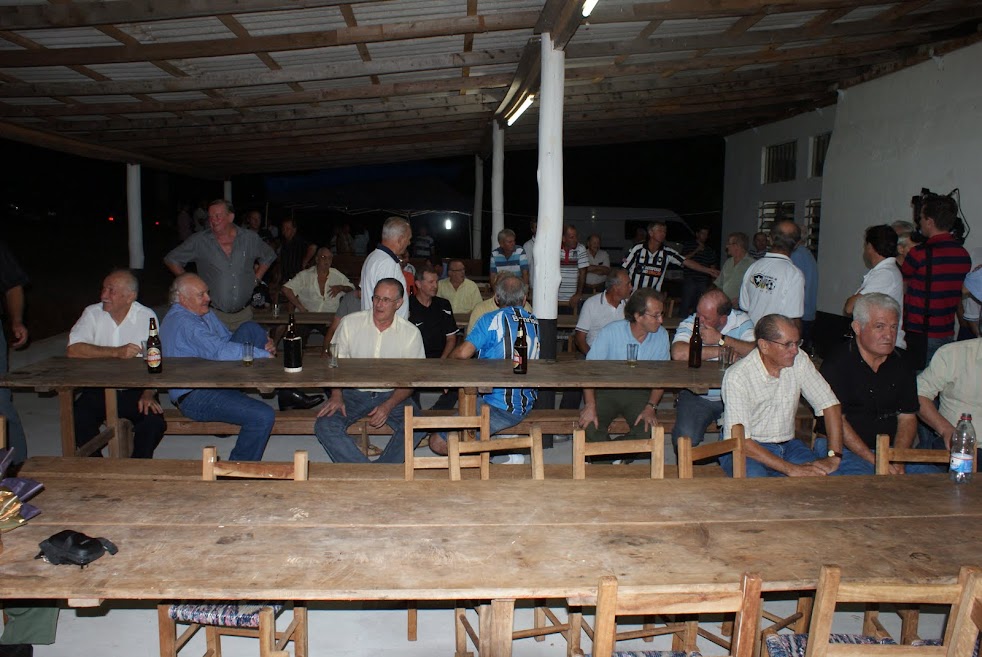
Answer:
(305, 318)
(65, 375)
(492, 540)
(563, 322)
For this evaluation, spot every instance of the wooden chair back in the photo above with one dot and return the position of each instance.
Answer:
(832, 590)
(654, 446)
(886, 455)
(688, 454)
(212, 468)
(967, 624)
(742, 598)
(459, 449)
(3, 432)
(479, 423)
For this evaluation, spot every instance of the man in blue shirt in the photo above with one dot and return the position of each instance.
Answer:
(191, 329)
(643, 328)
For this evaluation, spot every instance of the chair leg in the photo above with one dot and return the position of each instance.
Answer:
(167, 629)
(909, 618)
(412, 613)
(460, 631)
(213, 641)
(539, 615)
(575, 630)
(649, 623)
(484, 629)
(267, 632)
(300, 645)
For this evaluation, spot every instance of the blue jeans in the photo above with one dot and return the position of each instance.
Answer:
(332, 431)
(255, 418)
(250, 332)
(15, 430)
(694, 414)
(792, 451)
(854, 465)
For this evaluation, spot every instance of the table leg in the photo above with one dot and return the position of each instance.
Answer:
(468, 401)
(502, 626)
(66, 403)
(113, 424)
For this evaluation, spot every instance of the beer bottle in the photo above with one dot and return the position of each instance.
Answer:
(155, 360)
(520, 352)
(292, 348)
(695, 346)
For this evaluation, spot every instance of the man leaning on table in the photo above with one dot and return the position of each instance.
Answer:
(377, 333)
(114, 328)
(761, 391)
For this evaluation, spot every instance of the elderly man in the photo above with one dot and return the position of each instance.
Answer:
(493, 337)
(596, 273)
(731, 275)
(761, 393)
(642, 327)
(648, 262)
(720, 326)
(954, 378)
(114, 328)
(319, 288)
(880, 255)
(876, 385)
(462, 293)
(773, 284)
(191, 329)
(226, 257)
(601, 309)
(254, 222)
(383, 262)
(573, 264)
(376, 333)
(491, 305)
(12, 282)
(508, 257)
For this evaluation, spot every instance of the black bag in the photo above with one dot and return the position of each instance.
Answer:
(73, 548)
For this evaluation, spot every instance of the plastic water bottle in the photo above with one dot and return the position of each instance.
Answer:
(962, 450)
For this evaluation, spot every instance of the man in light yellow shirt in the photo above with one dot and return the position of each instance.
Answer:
(460, 291)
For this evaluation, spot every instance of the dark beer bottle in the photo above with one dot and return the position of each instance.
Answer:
(292, 348)
(695, 346)
(155, 359)
(520, 352)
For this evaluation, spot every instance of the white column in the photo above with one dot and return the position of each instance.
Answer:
(545, 287)
(227, 192)
(477, 219)
(134, 215)
(497, 182)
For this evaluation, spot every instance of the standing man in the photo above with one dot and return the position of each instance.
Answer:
(761, 392)
(880, 255)
(720, 326)
(805, 262)
(377, 333)
(736, 265)
(12, 282)
(383, 262)
(642, 327)
(601, 309)
(462, 293)
(254, 222)
(934, 272)
(433, 316)
(226, 256)
(424, 245)
(573, 263)
(648, 261)
(530, 246)
(596, 273)
(761, 244)
(296, 253)
(318, 289)
(508, 257)
(694, 283)
(773, 285)
(114, 328)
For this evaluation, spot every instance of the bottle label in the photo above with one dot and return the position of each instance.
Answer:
(153, 357)
(960, 463)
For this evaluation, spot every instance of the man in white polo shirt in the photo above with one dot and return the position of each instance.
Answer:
(383, 262)
(773, 284)
(880, 255)
(601, 309)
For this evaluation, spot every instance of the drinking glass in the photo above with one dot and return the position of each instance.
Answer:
(247, 354)
(333, 361)
(632, 355)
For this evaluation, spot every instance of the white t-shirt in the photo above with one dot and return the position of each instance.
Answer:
(97, 327)
(380, 264)
(596, 314)
(602, 259)
(773, 285)
(886, 278)
(971, 306)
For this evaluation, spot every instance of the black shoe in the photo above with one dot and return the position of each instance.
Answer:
(16, 650)
(294, 399)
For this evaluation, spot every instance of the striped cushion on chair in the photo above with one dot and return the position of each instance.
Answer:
(794, 645)
(244, 614)
(937, 642)
(654, 653)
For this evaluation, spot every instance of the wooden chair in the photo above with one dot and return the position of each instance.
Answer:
(3, 432)
(653, 446)
(688, 454)
(457, 450)
(237, 618)
(611, 601)
(886, 456)
(820, 642)
(966, 624)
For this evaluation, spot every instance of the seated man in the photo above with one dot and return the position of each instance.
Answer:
(191, 329)
(318, 289)
(462, 293)
(376, 333)
(493, 337)
(954, 378)
(643, 327)
(761, 392)
(720, 325)
(114, 328)
(877, 387)
(490, 306)
(603, 308)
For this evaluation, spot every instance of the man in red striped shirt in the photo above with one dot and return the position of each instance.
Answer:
(933, 273)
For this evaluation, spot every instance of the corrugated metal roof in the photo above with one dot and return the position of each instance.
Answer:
(41, 74)
(229, 64)
(289, 22)
(340, 83)
(69, 37)
(655, 57)
(99, 100)
(784, 21)
(317, 56)
(505, 40)
(694, 26)
(596, 33)
(403, 11)
(258, 91)
(735, 50)
(130, 71)
(176, 96)
(185, 29)
(416, 47)
(865, 13)
(20, 102)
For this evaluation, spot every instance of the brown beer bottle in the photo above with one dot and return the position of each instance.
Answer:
(155, 359)
(520, 352)
(695, 346)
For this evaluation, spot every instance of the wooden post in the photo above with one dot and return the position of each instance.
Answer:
(497, 183)
(134, 215)
(227, 191)
(477, 219)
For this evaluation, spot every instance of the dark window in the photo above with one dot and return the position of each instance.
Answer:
(780, 162)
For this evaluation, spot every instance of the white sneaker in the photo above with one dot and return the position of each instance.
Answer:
(515, 459)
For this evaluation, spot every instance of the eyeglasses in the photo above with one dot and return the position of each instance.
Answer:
(324, 257)
(655, 315)
(457, 271)
(789, 344)
(384, 300)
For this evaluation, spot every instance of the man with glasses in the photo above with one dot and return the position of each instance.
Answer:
(376, 333)
(761, 393)
(460, 291)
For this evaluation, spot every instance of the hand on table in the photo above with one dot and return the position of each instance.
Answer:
(806, 470)
(270, 346)
(829, 464)
(128, 351)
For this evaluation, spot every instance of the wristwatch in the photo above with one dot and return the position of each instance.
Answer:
(653, 406)
(722, 341)
(834, 453)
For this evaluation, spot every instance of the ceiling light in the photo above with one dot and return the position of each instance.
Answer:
(588, 7)
(521, 109)
(448, 224)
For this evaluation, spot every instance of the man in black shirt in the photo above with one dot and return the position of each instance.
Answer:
(433, 316)
(12, 282)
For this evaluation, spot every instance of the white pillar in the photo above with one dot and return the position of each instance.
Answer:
(134, 215)
(497, 182)
(477, 219)
(545, 287)
(227, 192)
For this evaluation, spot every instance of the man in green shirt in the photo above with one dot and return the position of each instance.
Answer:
(731, 275)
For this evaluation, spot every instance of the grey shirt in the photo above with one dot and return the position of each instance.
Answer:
(230, 279)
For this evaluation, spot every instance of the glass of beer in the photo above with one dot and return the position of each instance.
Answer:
(247, 354)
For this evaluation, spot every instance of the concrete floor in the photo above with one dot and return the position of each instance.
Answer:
(340, 631)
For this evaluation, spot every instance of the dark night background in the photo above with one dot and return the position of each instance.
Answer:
(56, 207)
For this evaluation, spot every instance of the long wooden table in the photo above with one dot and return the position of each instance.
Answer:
(65, 375)
(492, 540)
